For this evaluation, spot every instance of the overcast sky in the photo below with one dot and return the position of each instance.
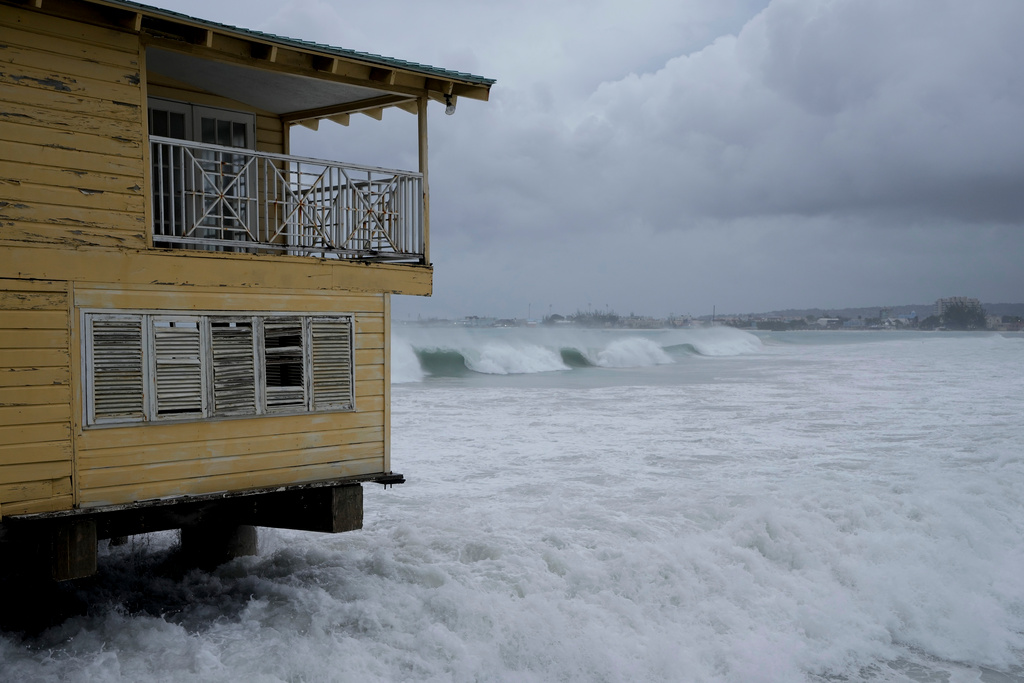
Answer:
(667, 156)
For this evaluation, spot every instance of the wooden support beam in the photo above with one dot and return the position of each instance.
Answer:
(209, 38)
(411, 106)
(326, 64)
(137, 22)
(340, 119)
(377, 113)
(348, 108)
(386, 76)
(312, 124)
(421, 125)
(329, 510)
(264, 51)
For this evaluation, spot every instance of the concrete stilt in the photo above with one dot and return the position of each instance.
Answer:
(211, 544)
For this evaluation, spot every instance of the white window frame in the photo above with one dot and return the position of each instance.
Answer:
(339, 365)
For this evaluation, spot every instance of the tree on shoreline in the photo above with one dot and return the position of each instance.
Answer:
(963, 317)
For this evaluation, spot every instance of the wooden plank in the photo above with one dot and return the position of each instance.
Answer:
(75, 216)
(208, 269)
(24, 434)
(227, 299)
(13, 174)
(19, 377)
(34, 415)
(369, 341)
(20, 339)
(72, 160)
(46, 451)
(71, 69)
(47, 235)
(157, 434)
(23, 491)
(12, 474)
(51, 119)
(33, 320)
(224, 467)
(126, 145)
(126, 493)
(127, 112)
(50, 25)
(28, 42)
(33, 358)
(223, 448)
(369, 357)
(35, 396)
(46, 81)
(370, 325)
(370, 373)
(31, 507)
(74, 196)
(33, 285)
(368, 389)
(32, 301)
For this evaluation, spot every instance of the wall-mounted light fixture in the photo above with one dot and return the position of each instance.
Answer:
(449, 105)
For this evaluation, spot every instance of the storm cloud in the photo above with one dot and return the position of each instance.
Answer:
(667, 157)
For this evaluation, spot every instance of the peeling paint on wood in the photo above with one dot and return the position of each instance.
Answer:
(53, 83)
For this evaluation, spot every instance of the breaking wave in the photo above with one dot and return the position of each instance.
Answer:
(453, 352)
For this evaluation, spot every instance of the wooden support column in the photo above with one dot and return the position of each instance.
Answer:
(422, 129)
(73, 550)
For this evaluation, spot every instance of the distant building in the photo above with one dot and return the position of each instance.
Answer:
(942, 304)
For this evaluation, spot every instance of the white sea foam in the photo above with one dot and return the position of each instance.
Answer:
(630, 352)
(405, 366)
(837, 508)
(496, 358)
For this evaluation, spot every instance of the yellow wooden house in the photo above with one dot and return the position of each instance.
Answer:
(194, 323)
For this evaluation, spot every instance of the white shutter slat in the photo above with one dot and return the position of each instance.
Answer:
(179, 373)
(117, 373)
(234, 377)
(332, 363)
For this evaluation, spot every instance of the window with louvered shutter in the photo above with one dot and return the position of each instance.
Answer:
(283, 363)
(234, 371)
(177, 358)
(116, 368)
(332, 363)
(161, 366)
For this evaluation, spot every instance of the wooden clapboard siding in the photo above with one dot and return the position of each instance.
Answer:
(139, 461)
(71, 134)
(144, 490)
(35, 397)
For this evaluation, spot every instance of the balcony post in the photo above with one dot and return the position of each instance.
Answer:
(422, 129)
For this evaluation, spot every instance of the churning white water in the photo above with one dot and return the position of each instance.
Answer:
(700, 505)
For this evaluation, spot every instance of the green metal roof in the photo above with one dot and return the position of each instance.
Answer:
(367, 57)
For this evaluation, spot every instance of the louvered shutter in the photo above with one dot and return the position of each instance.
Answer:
(116, 365)
(177, 352)
(284, 363)
(234, 376)
(332, 363)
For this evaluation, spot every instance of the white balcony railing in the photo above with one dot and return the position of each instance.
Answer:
(227, 199)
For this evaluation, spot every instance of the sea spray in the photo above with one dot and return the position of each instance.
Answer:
(631, 352)
(405, 366)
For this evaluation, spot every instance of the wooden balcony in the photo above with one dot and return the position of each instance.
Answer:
(214, 198)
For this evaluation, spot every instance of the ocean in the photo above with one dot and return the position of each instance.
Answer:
(603, 505)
